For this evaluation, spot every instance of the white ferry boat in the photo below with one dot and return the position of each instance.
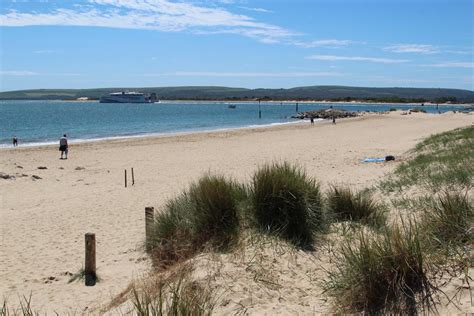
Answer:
(128, 97)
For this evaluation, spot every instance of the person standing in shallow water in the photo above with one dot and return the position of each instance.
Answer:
(63, 146)
(15, 141)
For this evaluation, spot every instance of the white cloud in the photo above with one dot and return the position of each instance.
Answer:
(45, 51)
(358, 58)
(412, 48)
(243, 74)
(25, 73)
(256, 9)
(162, 15)
(324, 43)
(17, 73)
(452, 64)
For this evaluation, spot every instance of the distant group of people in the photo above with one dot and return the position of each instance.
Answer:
(63, 145)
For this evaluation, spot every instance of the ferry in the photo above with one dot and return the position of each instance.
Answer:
(128, 97)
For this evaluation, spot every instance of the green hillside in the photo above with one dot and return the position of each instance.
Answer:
(335, 93)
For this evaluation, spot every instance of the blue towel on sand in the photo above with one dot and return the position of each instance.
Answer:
(373, 160)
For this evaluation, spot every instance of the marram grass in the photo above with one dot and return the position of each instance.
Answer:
(205, 215)
(381, 273)
(345, 205)
(287, 202)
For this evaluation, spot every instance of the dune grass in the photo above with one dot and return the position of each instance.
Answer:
(205, 215)
(286, 202)
(345, 205)
(173, 297)
(449, 220)
(24, 309)
(442, 161)
(379, 274)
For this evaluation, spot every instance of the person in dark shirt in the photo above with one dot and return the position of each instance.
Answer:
(63, 146)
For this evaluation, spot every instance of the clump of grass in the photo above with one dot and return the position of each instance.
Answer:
(173, 297)
(381, 273)
(450, 219)
(345, 205)
(204, 215)
(24, 309)
(287, 202)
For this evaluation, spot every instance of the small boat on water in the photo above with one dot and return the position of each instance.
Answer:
(128, 97)
(232, 106)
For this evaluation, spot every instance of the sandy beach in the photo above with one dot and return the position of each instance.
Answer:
(43, 221)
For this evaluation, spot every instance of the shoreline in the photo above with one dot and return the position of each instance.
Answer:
(155, 135)
(8, 145)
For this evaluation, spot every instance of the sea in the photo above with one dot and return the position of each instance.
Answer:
(37, 123)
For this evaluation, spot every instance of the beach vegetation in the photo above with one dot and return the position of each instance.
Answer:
(442, 161)
(24, 309)
(449, 220)
(381, 273)
(205, 215)
(286, 202)
(173, 296)
(345, 205)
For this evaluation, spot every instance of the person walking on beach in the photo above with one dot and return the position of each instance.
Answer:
(63, 146)
(15, 141)
(312, 120)
(334, 119)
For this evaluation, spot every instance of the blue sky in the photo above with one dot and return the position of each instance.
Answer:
(239, 43)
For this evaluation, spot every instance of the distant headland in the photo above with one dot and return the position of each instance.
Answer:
(215, 93)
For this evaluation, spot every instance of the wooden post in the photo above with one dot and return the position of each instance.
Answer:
(89, 269)
(133, 178)
(149, 217)
(125, 177)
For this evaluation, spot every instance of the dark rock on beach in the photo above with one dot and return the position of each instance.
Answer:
(42, 168)
(6, 176)
(35, 177)
(325, 114)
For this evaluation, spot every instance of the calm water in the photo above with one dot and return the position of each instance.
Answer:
(43, 122)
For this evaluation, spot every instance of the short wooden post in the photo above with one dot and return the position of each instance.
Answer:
(125, 177)
(149, 217)
(90, 269)
(133, 178)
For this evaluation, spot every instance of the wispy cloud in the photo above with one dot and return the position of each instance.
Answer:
(46, 51)
(162, 15)
(324, 43)
(27, 73)
(357, 58)
(452, 64)
(19, 73)
(256, 9)
(412, 48)
(243, 74)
